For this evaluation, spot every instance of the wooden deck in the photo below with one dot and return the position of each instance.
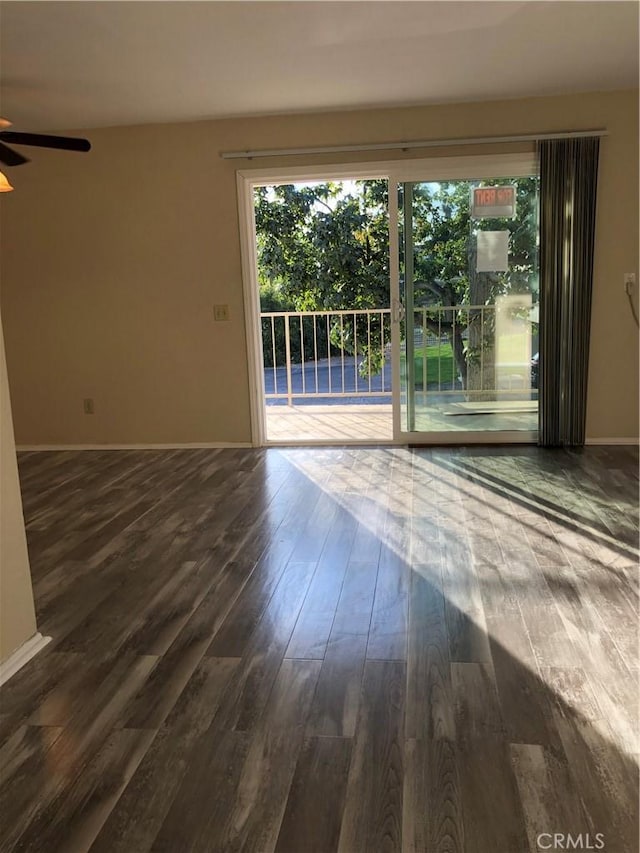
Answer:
(363, 422)
(329, 423)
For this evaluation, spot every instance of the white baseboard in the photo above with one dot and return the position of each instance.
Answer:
(22, 656)
(213, 445)
(630, 441)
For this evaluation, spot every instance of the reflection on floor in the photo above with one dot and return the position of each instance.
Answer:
(363, 422)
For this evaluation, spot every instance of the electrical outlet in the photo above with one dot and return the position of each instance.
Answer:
(629, 281)
(88, 406)
(221, 312)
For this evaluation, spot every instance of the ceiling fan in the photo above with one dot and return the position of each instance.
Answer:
(9, 157)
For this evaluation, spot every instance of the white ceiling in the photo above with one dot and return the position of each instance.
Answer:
(91, 64)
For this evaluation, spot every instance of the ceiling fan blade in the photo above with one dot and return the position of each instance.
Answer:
(10, 157)
(43, 140)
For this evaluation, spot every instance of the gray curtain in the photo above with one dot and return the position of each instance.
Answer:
(568, 181)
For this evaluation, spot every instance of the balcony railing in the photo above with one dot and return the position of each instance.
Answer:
(347, 354)
(326, 354)
(480, 351)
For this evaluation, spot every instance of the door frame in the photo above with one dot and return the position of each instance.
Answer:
(394, 171)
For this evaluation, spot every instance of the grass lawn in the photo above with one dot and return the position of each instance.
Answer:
(439, 362)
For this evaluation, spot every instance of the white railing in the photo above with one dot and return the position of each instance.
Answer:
(326, 353)
(496, 342)
(318, 354)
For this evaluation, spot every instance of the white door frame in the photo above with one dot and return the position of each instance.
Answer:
(395, 171)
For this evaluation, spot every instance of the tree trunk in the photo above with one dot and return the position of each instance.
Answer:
(457, 344)
(480, 333)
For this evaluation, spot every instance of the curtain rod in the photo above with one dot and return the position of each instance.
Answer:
(405, 146)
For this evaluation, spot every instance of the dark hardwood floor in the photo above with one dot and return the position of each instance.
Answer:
(340, 649)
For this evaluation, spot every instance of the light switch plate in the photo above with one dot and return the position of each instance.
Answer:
(221, 312)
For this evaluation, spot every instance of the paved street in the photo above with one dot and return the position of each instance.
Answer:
(321, 377)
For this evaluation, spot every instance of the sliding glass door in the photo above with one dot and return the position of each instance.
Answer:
(468, 287)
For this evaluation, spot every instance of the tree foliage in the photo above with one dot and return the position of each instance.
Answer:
(444, 259)
(321, 248)
(326, 247)
(444, 243)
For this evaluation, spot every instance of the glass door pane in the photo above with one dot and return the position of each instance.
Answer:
(468, 252)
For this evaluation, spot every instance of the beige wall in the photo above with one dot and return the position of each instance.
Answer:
(17, 614)
(112, 263)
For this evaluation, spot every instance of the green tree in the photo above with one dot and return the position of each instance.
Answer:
(322, 249)
(444, 242)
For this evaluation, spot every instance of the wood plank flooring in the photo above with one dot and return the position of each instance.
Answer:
(308, 650)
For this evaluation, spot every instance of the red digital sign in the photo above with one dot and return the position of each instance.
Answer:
(493, 202)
